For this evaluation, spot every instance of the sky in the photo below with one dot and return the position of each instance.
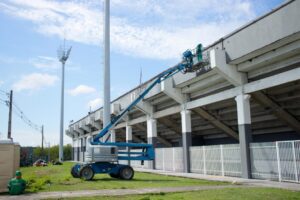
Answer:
(146, 35)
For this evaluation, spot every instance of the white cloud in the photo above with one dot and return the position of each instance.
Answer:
(45, 62)
(96, 103)
(1, 83)
(34, 81)
(81, 89)
(145, 28)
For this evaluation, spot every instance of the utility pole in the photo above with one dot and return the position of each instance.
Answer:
(10, 115)
(42, 131)
(106, 67)
(49, 152)
(63, 56)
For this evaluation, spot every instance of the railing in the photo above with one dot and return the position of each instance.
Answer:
(279, 161)
(276, 160)
(169, 159)
(222, 160)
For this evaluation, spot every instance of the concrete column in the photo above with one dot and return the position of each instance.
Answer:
(245, 135)
(152, 137)
(186, 125)
(128, 138)
(78, 148)
(113, 135)
(73, 149)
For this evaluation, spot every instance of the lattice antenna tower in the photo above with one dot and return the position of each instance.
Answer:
(63, 53)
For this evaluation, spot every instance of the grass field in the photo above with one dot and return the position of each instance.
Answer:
(58, 178)
(218, 194)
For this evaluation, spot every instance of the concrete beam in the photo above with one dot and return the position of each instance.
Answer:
(164, 141)
(160, 139)
(82, 125)
(217, 123)
(169, 111)
(168, 88)
(229, 72)
(276, 80)
(171, 124)
(138, 139)
(270, 57)
(277, 110)
(97, 125)
(143, 105)
(203, 84)
(99, 115)
(141, 127)
(115, 108)
(78, 130)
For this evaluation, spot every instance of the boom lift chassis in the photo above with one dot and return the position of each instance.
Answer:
(102, 156)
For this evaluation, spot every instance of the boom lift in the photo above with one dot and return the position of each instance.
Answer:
(101, 157)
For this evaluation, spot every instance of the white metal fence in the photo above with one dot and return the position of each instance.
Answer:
(278, 161)
(169, 159)
(223, 160)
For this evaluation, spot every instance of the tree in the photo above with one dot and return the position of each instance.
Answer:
(54, 151)
(68, 152)
(37, 152)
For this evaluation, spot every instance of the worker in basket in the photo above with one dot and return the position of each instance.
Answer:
(16, 185)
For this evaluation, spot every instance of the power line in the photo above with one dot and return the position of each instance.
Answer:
(4, 102)
(18, 112)
(25, 119)
(2, 92)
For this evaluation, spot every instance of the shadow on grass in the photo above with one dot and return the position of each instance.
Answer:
(133, 180)
(3, 193)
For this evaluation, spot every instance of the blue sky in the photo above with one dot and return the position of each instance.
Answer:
(145, 34)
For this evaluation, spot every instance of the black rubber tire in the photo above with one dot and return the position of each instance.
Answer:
(114, 175)
(126, 173)
(74, 173)
(87, 173)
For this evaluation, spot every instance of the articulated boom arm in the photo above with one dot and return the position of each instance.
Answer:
(185, 66)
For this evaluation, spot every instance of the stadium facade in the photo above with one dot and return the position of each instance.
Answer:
(247, 97)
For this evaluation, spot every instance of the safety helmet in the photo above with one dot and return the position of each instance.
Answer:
(18, 173)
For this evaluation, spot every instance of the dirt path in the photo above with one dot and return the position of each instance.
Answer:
(115, 192)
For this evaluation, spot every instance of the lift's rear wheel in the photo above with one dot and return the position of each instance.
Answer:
(87, 173)
(126, 173)
(74, 172)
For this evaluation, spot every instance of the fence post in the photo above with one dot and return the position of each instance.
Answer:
(204, 160)
(163, 161)
(294, 161)
(173, 151)
(222, 161)
(278, 162)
